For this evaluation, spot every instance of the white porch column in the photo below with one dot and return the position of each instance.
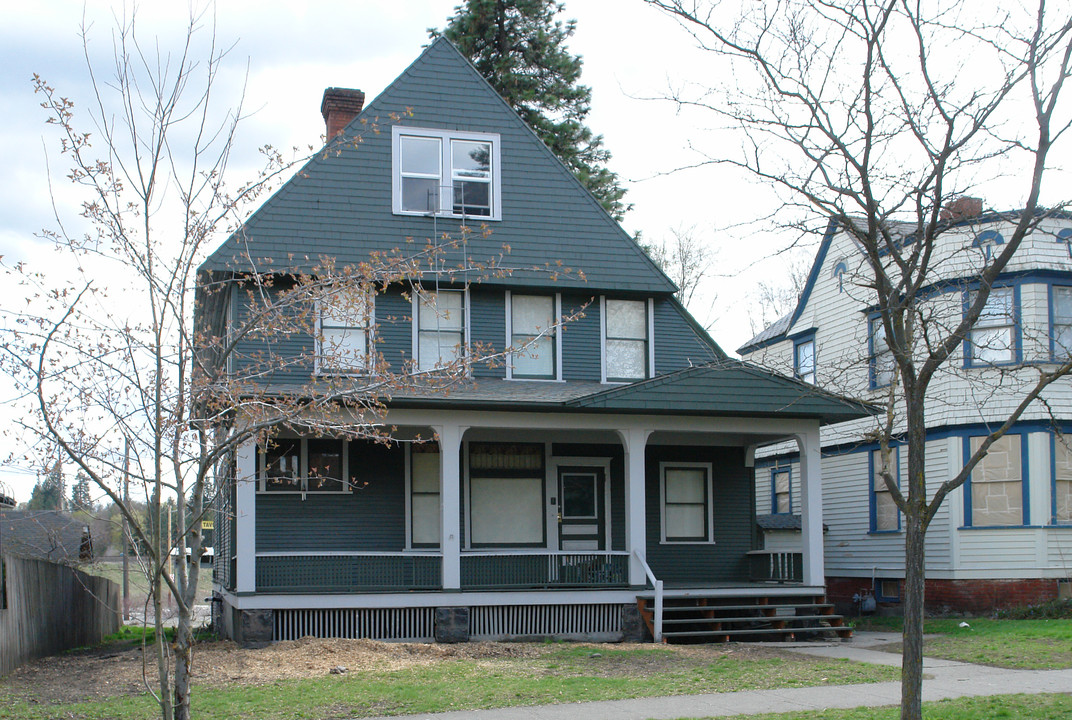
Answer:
(245, 511)
(450, 541)
(811, 510)
(634, 442)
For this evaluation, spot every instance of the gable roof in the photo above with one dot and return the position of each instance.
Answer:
(339, 204)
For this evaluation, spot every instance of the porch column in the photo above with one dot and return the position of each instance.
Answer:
(245, 511)
(450, 541)
(634, 442)
(811, 502)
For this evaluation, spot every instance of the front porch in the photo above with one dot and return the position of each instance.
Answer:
(533, 524)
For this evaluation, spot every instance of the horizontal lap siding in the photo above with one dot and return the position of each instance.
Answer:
(487, 317)
(725, 560)
(394, 328)
(287, 356)
(372, 517)
(677, 342)
(580, 339)
(1007, 548)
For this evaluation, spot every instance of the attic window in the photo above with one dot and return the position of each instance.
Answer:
(446, 173)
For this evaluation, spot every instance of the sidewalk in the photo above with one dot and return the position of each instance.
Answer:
(943, 679)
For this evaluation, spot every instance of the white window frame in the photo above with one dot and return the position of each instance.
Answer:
(554, 334)
(321, 367)
(410, 545)
(649, 305)
(986, 324)
(446, 180)
(303, 469)
(709, 508)
(416, 314)
(1057, 351)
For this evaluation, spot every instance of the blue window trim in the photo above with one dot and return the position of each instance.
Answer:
(804, 339)
(872, 375)
(1024, 478)
(988, 239)
(895, 451)
(776, 470)
(886, 598)
(1017, 334)
(1053, 484)
(839, 274)
(1064, 235)
(1049, 295)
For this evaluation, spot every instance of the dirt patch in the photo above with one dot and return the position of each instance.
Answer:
(108, 672)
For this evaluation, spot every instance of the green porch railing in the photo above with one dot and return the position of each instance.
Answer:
(781, 566)
(348, 572)
(499, 570)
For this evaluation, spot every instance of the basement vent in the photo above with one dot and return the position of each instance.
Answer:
(507, 621)
(408, 624)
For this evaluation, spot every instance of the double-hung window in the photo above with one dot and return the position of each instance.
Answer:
(308, 465)
(533, 321)
(440, 327)
(441, 172)
(885, 517)
(1061, 321)
(995, 496)
(882, 363)
(781, 490)
(626, 342)
(686, 502)
(804, 359)
(506, 495)
(993, 338)
(345, 330)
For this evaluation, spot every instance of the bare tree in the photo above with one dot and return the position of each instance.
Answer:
(686, 258)
(775, 298)
(878, 114)
(108, 351)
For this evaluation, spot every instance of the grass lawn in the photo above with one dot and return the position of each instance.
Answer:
(1021, 707)
(561, 673)
(1024, 644)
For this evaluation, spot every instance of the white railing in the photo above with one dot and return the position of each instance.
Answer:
(658, 585)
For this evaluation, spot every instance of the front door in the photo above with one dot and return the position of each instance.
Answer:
(582, 512)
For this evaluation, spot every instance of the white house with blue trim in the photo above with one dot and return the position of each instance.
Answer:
(1005, 537)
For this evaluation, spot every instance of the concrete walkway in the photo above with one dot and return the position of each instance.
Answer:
(943, 679)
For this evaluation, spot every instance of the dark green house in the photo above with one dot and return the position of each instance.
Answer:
(604, 465)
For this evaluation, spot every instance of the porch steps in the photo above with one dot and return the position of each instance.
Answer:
(699, 619)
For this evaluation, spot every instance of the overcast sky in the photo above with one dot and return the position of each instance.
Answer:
(293, 50)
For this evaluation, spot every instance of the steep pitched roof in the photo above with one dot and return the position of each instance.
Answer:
(339, 204)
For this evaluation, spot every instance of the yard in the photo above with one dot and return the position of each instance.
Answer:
(281, 681)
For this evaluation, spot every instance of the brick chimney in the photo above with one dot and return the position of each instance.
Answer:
(339, 107)
(962, 208)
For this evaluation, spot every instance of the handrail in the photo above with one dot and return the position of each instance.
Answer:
(658, 585)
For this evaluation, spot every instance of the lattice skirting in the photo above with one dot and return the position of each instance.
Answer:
(492, 622)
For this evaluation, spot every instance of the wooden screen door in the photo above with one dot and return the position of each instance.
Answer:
(582, 511)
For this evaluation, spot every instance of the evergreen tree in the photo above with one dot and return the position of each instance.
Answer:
(48, 492)
(80, 499)
(520, 49)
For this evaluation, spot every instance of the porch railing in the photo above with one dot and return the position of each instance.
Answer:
(781, 566)
(516, 570)
(348, 572)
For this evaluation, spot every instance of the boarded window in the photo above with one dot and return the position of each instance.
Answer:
(686, 504)
(886, 515)
(506, 510)
(1062, 480)
(425, 515)
(883, 366)
(627, 340)
(997, 489)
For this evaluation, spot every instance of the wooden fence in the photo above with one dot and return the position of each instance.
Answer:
(48, 608)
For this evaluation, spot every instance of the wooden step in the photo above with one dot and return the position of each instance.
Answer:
(750, 618)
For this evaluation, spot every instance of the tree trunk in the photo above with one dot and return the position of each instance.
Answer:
(912, 638)
(183, 661)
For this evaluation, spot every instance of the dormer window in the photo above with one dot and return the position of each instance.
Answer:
(627, 330)
(343, 340)
(440, 172)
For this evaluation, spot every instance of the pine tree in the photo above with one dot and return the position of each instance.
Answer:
(520, 49)
(48, 492)
(80, 499)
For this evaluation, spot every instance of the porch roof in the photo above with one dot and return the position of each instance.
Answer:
(722, 388)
